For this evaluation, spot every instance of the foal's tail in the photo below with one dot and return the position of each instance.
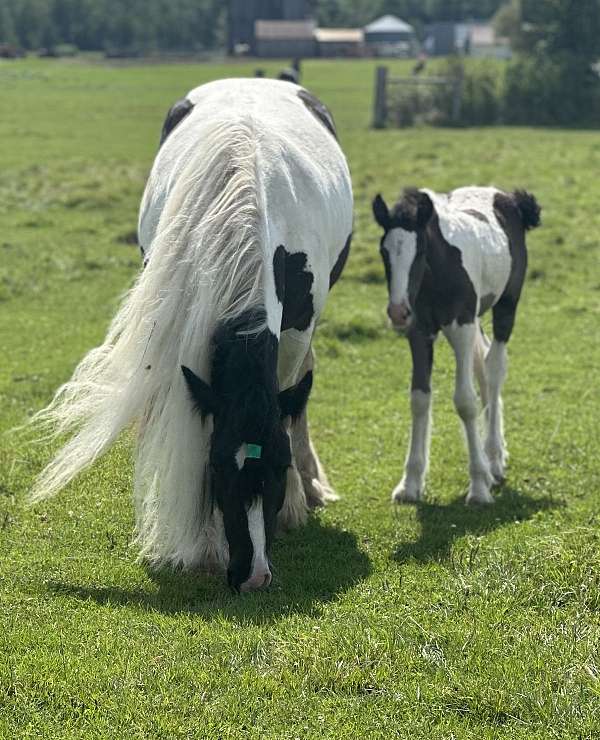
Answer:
(529, 209)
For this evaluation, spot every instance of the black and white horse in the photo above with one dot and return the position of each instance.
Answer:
(244, 226)
(448, 259)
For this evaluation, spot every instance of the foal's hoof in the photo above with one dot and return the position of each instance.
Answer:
(405, 493)
(497, 471)
(497, 458)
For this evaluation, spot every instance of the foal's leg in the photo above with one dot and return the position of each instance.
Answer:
(462, 339)
(315, 483)
(496, 363)
(412, 485)
(482, 345)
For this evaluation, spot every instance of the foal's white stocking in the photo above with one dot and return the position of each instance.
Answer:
(482, 345)
(496, 363)
(462, 338)
(412, 485)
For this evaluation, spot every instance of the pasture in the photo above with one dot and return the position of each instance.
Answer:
(435, 621)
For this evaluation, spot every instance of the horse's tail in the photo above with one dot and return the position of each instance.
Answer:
(205, 263)
(529, 209)
(95, 404)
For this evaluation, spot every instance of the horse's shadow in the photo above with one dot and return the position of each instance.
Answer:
(443, 524)
(313, 565)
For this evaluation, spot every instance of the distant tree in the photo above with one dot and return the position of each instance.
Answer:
(191, 24)
(31, 18)
(508, 21)
(417, 12)
(554, 81)
(8, 33)
(562, 27)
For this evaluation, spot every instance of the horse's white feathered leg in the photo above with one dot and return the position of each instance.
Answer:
(316, 485)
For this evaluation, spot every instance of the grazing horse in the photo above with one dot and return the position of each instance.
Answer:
(244, 226)
(448, 259)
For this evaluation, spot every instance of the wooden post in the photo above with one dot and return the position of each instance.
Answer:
(380, 105)
(457, 99)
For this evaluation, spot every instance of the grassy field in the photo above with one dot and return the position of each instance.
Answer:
(417, 622)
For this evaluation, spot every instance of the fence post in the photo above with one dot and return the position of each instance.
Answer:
(380, 105)
(457, 99)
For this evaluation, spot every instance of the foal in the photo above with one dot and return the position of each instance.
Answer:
(448, 258)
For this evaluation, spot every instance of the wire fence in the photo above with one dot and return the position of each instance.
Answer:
(404, 101)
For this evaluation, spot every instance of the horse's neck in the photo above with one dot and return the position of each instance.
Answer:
(243, 358)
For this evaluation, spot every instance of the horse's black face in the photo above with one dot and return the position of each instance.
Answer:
(249, 459)
(248, 479)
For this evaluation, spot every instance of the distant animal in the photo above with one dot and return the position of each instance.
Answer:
(419, 65)
(245, 226)
(448, 258)
(289, 74)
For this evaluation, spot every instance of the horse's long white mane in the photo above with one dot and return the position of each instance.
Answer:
(205, 264)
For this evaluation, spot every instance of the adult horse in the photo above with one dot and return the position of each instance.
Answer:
(244, 226)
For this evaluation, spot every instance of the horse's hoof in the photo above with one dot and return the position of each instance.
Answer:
(318, 495)
(479, 496)
(405, 493)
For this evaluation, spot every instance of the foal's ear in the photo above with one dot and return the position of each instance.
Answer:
(293, 400)
(381, 212)
(416, 209)
(205, 401)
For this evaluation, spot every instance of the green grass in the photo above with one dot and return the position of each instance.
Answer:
(427, 622)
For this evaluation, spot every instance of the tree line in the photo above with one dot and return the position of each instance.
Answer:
(190, 25)
(357, 13)
(91, 25)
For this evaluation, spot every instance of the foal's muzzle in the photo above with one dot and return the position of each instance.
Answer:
(400, 315)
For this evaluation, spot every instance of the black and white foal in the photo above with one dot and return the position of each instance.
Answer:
(449, 258)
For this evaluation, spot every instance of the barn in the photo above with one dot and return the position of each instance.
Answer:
(277, 39)
(243, 14)
(340, 42)
(390, 36)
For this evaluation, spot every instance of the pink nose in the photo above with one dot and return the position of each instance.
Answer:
(258, 580)
(399, 313)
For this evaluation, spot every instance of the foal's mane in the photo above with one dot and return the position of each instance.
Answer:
(413, 210)
(205, 267)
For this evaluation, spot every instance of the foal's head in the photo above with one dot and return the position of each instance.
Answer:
(250, 447)
(403, 251)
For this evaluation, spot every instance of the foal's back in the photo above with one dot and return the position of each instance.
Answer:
(474, 221)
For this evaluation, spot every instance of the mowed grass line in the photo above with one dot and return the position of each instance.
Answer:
(436, 621)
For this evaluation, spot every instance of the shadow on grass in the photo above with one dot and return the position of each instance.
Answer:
(442, 524)
(312, 565)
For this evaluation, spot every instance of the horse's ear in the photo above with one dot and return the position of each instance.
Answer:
(293, 400)
(381, 212)
(205, 400)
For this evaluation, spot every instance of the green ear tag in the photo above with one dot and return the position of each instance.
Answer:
(254, 452)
